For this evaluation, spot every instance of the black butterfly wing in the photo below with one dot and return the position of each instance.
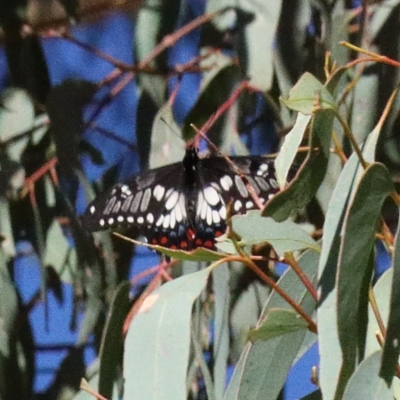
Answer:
(152, 201)
(220, 185)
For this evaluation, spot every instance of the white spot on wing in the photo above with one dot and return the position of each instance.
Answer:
(274, 183)
(166, 221)
(110, 205)
(211, 196)
(262, 169)
(117, 206)
(182, 203)
(216, 217)
(203, 211)
(120, 218)
(92, 209)
(145, 200)
(238, 205)
(173, 220)
(140, 220)
(226, 182)
(178, 212)
(172, 199)
(130, 219)
(160, 220)
(253, 184)
(158, 192)
(136, 202)
(209, 215)
(110, 221)
(262, 183)
(150, 218)
(200, 202)
(249, 204)
(101, 222)
(127, 203)
(241, 186)
(222, 212)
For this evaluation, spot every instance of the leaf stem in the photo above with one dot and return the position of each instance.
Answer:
(270, 282)
(289, 259)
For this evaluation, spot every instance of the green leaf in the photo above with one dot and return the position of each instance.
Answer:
(366, 384)
(391, 349)
(167, 145)
(8, 308)
(308, 179)
(258, 39)
(354, 262)
(57, 250)
(256, 375)
(111, 350)
(289, 148)
(276, 323)
(308, 95)
(220, 280)
(316, 395)
(155, 20)
(381, 289)
(199, 254)
(282, 236)
(158, 341)
(7, 245)
(17, 115)
(328, 339)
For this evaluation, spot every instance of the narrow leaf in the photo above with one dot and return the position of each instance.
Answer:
(308, 179)
(289, 148)
(158, 341)
(256, 375)
(391, 349)
(366, 384)
(276, 323)
(111, 349)
(354, 266)
(328, 339)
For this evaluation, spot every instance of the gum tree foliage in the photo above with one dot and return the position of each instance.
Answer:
(327, 73)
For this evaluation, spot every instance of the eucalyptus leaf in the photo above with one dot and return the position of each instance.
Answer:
(167, 145)
(157, 344)
(366, 383)
(111, 349)
(391, 351)
(308, 179)
(283, 236)
(308, 95)
(256, 375)
(256, 50)
(276, 323)
(328, 339)
(289, 148)
(355, 269)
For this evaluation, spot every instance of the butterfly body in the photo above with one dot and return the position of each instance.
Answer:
(184, 205)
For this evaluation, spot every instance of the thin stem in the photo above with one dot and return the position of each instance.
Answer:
(270, 282)
(85, 386)
(289, 259)
(353, 141)
(170, 40)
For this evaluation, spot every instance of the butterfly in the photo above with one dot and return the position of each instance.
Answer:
(184, 205)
